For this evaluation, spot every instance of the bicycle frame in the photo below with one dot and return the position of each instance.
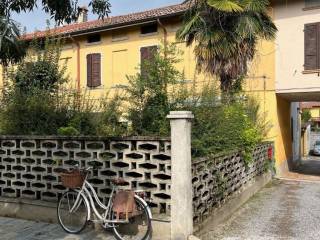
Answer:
(90, 202)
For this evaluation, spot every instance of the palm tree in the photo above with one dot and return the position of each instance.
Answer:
(225, 34)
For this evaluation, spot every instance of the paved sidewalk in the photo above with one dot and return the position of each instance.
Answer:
(16, 229)
(284, 210)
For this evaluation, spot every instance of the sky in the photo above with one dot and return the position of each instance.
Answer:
(36, 20)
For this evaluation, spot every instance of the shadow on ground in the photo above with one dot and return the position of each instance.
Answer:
(309, 166)
(308, 169)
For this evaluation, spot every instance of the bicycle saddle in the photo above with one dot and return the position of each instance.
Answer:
(118, 181)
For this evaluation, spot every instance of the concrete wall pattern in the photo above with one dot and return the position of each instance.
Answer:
(217, 178)
(30, 167)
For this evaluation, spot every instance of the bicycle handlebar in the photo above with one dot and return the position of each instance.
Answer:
(85, 169)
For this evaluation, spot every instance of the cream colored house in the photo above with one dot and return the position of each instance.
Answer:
(297, 63)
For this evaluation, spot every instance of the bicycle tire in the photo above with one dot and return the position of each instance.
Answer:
(84, 209)
(148, 222)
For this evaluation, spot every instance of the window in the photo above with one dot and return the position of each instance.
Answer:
(94, 38)
(119, 66)
(146, 55)
(151, 28)
(94, 70)
(119, 35)
(312, 46)
(312, 3)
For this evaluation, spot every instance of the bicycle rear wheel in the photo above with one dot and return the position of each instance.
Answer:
(72, 212)
(139, 226)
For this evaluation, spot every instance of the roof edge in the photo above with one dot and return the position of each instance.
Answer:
(115, 22)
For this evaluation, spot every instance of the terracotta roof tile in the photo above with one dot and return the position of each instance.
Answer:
(113, 21)
(307, 105)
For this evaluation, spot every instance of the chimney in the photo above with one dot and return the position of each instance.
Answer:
(83, 14)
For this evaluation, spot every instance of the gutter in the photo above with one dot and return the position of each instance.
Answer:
(123, 25)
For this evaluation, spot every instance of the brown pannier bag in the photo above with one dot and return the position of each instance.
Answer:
(124, 205)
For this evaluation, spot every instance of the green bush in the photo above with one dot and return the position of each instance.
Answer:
(37, 103)
(40, 75)
(218, 125)
(149, 95)
(68, 131)
(32, 113)
(110, 118)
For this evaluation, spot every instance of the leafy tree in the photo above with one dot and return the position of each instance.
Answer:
(151, 94)
(40, 69)
(12, 49)
(225, 34)
(305, 115)
(11, 46)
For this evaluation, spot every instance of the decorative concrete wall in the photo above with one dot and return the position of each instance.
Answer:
(218, 177)
(30, 166)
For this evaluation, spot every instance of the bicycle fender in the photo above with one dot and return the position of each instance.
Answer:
(146, 205)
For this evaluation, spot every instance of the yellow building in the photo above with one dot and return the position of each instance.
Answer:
(102, 53)
(314, 109)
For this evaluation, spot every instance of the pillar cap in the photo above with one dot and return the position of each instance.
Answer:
(180, 115)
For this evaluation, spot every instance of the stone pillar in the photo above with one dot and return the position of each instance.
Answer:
(181, 183)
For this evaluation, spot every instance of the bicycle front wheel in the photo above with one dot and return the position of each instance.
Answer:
(72, 212)
(139, 226)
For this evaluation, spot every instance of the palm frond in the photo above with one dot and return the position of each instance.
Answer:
(187, 28)
(254, 5)
(225, 5)
(225, 33)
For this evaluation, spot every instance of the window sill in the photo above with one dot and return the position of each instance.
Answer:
(149, 34)
(94, 88)
(310, 8)
(92, 44)
(316, 71)
(120, 39)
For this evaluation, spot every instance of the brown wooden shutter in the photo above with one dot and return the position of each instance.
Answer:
(147, 54)
(311, 45)
(94, 70)
(89, 70)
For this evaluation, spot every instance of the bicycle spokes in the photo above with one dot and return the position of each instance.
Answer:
(72, 212)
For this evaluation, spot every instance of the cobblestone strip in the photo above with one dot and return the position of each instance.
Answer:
(16, 229)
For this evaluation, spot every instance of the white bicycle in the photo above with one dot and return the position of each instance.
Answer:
(76, 206)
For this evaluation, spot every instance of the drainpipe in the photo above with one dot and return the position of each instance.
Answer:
(165, 43)
(78, 62)
(165, 36)
(78, 66)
